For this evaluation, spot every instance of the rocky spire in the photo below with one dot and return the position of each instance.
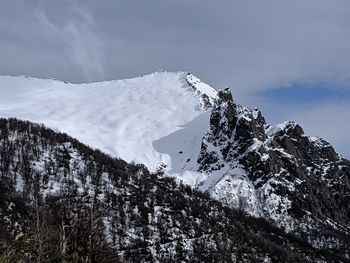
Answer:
(224, 115)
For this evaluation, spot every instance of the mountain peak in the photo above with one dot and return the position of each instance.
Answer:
(275, 172)
(285, 127)
(225, 95)
(208, 95)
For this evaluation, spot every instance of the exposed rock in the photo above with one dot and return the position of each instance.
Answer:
(299, 183)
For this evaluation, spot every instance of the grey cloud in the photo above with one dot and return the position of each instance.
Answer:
(248, 45)
(83, 45)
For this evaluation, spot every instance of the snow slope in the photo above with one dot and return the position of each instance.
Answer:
(122, 117)
(183, 147)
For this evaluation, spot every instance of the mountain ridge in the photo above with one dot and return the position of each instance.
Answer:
(175, 123)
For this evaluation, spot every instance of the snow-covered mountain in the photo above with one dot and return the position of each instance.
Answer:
(122, 117)
(299, 183)
(203, 137)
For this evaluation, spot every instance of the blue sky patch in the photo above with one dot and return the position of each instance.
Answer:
(300, 94)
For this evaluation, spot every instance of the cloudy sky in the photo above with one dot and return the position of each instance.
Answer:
(289, 58)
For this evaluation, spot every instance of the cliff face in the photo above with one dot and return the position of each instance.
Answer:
(277, 172)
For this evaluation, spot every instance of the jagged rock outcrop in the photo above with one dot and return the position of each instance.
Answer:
(299, 183)
(207, 95)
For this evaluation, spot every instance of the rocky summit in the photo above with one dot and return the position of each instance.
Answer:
(297, 182)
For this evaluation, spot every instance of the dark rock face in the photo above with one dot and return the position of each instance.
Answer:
(299, 183)
(225, 108)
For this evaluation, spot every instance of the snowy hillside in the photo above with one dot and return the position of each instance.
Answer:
(122, 117)
(61, 201)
